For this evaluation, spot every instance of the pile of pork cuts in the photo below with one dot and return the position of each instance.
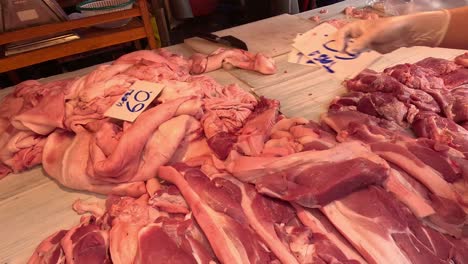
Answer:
(211, 174)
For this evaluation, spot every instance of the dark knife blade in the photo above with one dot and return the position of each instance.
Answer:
(229, 40)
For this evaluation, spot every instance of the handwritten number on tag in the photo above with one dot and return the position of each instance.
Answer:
(350, 56)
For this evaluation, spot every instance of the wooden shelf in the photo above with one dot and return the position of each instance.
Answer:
(94, 39)
(90, 38)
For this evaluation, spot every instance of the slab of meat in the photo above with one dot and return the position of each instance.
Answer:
(219, 215)
(384, 231)
(371, 81)
(429, 164)
(171, 240)
(442, 130)
(65, 159)
(318, 223)
(313, 178)
(49, 250)
(86, 243)
(378, 104)
(236, 57)
(277, 224)
(256, 130)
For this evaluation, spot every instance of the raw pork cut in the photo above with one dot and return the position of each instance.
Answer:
(49, 250)
(220, 216)
(312, 178)
(384, 231)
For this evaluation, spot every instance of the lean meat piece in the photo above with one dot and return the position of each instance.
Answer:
(383, 143)
(435, 167)
(49, 251)
(235, 57)
(277, 224)
(416, 77)
(312, 178)
(86, 243)
(171, 240)
(378, 104)
(442, 130)
(219, 215)
(441, 214)
(384, 231)
(371, 81)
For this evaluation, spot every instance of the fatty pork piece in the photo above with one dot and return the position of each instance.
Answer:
(65, 159)
(291, 135)
(243, 125)
(141, 234)
(20, 150)
(113, 156)
(36, 107)
(230, 207)
(384, 231)
(236, 57)
(312, 178)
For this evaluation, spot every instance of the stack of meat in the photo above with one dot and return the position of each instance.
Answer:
(244, 184)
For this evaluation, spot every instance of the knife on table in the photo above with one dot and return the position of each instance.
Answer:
(229, 40)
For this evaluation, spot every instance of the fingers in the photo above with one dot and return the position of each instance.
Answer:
(362, 43)
(342, 35)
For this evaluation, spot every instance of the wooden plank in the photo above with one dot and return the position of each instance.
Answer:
(94, 41)
(271, 36)
(285, 71)
(147, 24)
(38, 31)
(37, 210)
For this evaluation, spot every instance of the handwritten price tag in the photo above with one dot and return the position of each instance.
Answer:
(319, 47)
(134, 101)
(295, 56)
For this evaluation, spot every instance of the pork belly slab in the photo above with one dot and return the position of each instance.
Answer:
(241, 223)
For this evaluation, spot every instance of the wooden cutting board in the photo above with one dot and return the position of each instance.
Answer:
(285, 71)
(271, 36)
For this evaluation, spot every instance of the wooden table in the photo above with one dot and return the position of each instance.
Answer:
(32, 206)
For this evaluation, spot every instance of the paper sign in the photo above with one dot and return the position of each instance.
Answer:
(134, 101)
(319, 46)
(295, 56)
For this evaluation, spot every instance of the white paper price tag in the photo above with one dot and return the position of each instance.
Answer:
(134, 101)
(295, 56)
(319, 46)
